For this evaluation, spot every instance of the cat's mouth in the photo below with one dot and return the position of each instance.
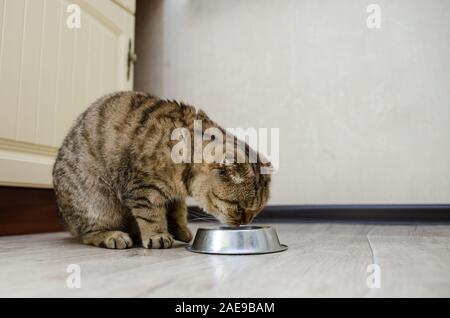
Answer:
(219, 209)
(226, 213)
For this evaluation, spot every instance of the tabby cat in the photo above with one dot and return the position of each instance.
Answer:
(117, 185)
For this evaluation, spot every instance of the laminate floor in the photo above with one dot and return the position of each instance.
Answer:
(323, 260)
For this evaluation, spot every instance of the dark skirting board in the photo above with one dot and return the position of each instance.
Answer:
(26, 211)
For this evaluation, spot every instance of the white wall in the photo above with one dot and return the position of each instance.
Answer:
(364, 114)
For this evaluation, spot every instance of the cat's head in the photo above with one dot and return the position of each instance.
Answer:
(232, 192)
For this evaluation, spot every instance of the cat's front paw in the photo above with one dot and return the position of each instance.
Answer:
(183, 234)
(158, 241)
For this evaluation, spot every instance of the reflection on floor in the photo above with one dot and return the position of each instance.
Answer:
(324, 260)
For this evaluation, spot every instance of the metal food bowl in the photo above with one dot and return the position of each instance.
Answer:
(244, 240)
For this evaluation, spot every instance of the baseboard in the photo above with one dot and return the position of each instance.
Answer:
(27, 211)
(393, 212)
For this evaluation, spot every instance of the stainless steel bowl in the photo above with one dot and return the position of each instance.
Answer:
(242, 240)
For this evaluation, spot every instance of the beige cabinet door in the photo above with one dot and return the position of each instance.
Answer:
(129, 5)
(50, 71)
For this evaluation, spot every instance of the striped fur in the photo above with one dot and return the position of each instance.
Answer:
(116, 184)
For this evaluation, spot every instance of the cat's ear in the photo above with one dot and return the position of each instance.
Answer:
(267, 168)
(202, 115)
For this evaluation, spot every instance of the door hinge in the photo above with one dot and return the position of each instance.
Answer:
(132, 58)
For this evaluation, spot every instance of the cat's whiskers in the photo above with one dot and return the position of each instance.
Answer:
(198, 216)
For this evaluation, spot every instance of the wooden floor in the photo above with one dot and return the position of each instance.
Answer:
(324, 259)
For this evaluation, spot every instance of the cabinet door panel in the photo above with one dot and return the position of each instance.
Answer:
(49, 73)
(129, 5)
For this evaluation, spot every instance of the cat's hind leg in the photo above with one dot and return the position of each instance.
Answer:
(108, 239)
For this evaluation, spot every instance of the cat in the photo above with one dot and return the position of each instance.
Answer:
(117, 185)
